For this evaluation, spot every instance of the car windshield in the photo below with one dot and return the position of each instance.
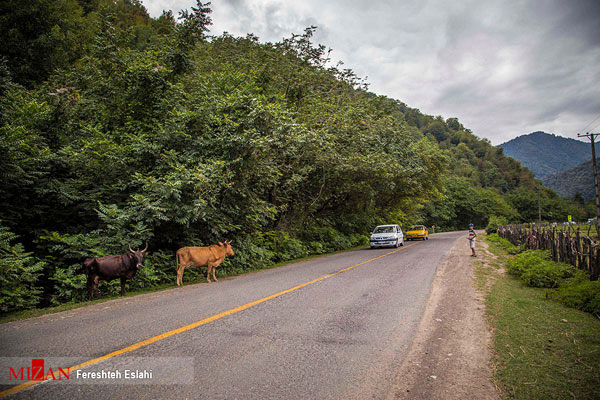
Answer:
(416, 228)
(384, 229)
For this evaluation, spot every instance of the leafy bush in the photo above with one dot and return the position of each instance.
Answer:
(249, 254)
(359, 240)
(19, 275)
(69, 284)
(547, 274)
(536, 269)
(578, 277)
(584, 296)
(330, 238)
(525, 261)
(161, 264)
(504, 243)
(283, 246)
(494, 223)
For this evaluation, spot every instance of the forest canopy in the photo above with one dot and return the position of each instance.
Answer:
(117, 128)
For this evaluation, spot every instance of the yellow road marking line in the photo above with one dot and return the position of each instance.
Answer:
(143, 343)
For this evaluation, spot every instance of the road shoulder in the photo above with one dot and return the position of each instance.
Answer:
(449, 357)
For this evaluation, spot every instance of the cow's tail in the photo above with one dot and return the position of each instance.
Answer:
(179, 273)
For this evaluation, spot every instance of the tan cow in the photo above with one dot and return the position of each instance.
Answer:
(211, 256)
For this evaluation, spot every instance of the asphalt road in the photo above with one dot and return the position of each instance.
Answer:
(339, 337)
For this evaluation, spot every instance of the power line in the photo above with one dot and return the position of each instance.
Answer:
(589, 123)
(596, 127)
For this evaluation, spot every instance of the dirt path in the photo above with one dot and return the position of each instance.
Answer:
(449, 357)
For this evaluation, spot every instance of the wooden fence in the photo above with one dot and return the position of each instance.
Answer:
(568, 246)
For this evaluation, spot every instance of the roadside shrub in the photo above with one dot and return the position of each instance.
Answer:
(69, 284)
(504, 243)
(547, 274)
(494, 222)
(359, 240)
(584, 296)
(578, 277)
(162, 265)
(146, 277)
(19, 275)
(526, 260)
(283, 246)
(331, 239)
(316, 247)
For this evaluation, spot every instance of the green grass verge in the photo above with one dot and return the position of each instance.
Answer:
(219, 272)
(542, 349)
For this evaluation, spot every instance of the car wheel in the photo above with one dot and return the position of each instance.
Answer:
(402, 243)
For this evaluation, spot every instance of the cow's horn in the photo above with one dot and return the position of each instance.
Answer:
(145, 248)
(131, 250)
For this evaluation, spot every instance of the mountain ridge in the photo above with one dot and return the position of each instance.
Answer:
(547, 154)
(568, 183)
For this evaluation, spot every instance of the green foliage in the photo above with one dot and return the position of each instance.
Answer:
(547, 274)
(20, 273)
(525, 261)
(69, 285)
(283, 246)
(40, 36)
(462, 204)
(494, 223)
(583, 296)
(504, 243)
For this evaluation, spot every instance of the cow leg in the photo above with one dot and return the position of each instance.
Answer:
(208, 271)
(90, 286)
(213, 272)
(123, 280)
(181, 270)
(181, 266)
(96, 282)
(180, 274)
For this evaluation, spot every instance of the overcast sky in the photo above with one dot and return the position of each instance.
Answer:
(504, 68)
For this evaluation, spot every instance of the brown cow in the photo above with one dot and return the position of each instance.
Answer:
(211, 256)
(107, 268)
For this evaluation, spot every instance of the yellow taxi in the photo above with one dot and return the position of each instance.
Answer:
(417, 232)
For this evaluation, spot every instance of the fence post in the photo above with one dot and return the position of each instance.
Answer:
(578, 249)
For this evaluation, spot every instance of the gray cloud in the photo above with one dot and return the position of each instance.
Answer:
(504, 68)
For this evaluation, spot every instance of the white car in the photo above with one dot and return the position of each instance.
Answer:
(387, 235)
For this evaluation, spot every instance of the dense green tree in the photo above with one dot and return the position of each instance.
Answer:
(19, 274)
(40, 36)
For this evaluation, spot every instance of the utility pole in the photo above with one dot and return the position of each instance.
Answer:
(592, 137)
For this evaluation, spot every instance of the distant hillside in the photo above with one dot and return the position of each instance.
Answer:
(579, 179)
(547, 154)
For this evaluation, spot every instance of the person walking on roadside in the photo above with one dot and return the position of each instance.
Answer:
(471, 237)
